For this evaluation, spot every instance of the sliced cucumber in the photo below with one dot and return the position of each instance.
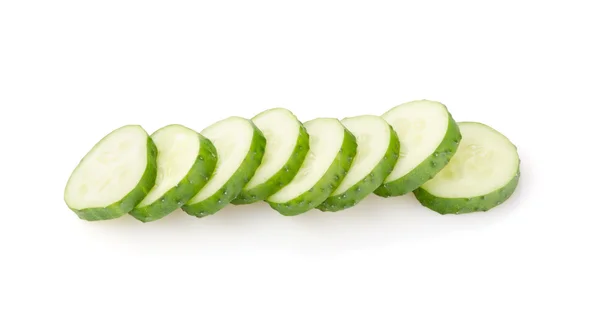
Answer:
(483, 174)
(287, 146)
(240, 148)
(114, 176)
(332, 150)
(428, 137)
(378, 151)
(185, 160)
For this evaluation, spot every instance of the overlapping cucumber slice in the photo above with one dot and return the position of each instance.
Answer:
(483, 174)
(287, 146)
(332, 150)
(114, 176)
(185, 160)
(377, 153)
(240, 148)
(428, 136)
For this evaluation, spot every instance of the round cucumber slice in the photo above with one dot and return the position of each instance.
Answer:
(287, 146)
(483, 174)
(332, 150)
(378, 151)
(428, 137)
(240, 148)
(185, 161)
(114, 176)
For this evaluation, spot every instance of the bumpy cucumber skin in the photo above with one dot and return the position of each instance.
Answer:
(326, 185)
(468, 205)
(232, 188)
(125, 205)
(187, 188)
(369, 183)
(280, 179)
(428, 168)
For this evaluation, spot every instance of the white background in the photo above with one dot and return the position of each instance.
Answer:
(71, 71)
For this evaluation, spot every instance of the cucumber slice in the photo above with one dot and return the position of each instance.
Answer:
(287, 146)
(428, 137)
(185, 161)
(240, 148)
(114, 176)
(483, 174)
(378, 151)
(332, 150)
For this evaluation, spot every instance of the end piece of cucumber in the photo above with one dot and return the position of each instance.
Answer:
(332, 150)
(240, 148)
(185, 161)
(287, 146)
(114, 176)
(428, 138)
(483, 174)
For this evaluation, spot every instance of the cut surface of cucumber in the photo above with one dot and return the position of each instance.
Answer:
(483, 174)
(332, 150)
(428, 138)
(240, 148)
(114, 176)
(377, 153)
(185, 161)
(286, 148)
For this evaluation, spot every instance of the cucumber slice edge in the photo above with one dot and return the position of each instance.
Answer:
(488, 193)
(126, 203)
(261, 185)
(327, 182)
(428, 168)
(482, 203)
(232, 182)
(187, 187)
(341, 200)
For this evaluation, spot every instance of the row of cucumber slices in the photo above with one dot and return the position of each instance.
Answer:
(326, 164)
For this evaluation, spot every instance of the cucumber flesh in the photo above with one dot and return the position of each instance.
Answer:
(483, 174)
(114, 176)
(332, 150)
(378, 151)
(287, 146)
(428, 138)
(185, 161)
(240, 148)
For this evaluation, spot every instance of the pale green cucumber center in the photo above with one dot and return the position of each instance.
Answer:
(281, 130)
(421, 127)
(326, 136)
(484, 162)
(232, 138)
(110, 171)
(373, 138)
(178, 148)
